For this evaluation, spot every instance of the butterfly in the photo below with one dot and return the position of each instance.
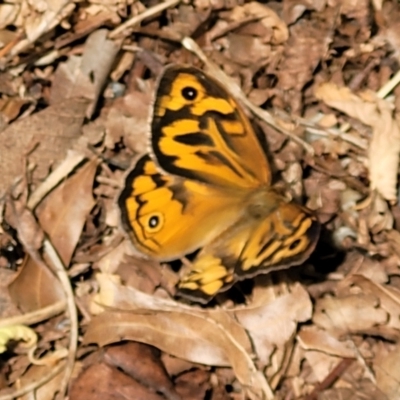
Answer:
(206, 184)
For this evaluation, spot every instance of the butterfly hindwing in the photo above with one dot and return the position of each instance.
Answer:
(255, 245)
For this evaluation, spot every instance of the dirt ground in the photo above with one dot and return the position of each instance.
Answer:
(84, 314)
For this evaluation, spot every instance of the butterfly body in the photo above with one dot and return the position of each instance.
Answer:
(207, 184)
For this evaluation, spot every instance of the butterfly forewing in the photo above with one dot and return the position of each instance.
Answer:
(167, 216)
(201, 133)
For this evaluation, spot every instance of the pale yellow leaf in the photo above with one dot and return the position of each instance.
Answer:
(17, 333)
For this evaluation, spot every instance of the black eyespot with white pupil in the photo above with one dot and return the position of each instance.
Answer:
(189, 93)
(154, 221)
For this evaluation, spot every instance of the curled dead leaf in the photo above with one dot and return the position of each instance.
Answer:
(268, 18)
(211, 338)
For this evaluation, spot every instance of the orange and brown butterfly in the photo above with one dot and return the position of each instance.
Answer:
(207, 184)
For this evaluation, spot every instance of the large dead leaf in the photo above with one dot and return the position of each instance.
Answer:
(36, 286)
(182, 331)
(184, 335)
(64, 224)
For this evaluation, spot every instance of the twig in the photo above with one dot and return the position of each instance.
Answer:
(235, 25)
(33, 385)
(389, 86)
(61, 172)
(237, 92)
(73, 159)
(61, 272)
(36, 316)
(139, 18)
(48, 21)
(335, 374)
(312, 127)
(361, 360)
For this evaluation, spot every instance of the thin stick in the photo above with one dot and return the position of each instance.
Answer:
(72, 160)
(332, 377)
(30, 387)
(389, 86)
(36, 316)
(61, 272)
(49, 20)
(237, 92)
(139, 18)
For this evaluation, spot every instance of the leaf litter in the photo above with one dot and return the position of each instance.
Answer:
(321, 81)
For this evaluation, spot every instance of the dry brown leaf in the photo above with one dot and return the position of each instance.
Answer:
(145, 275)
(387, 370)
(364, 390)
(37, 18)
(389, 297)
(35, 287)
(379, 216)
(101, 381)
(48, 134)
(181, 334)
(85, 76)
(111, 261)
(44, 392)
(129, 111)
(321, 364)
(241, 48)
(51, 130)
(272, 325)
(208, 338)
(384, 148)
(312, 338)
(62, 217)
(142, 363)
(8, 13)
(113, 294)
(307, 46)
(353, 313)
(197, 385)
(24, 222)
(268, 18)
